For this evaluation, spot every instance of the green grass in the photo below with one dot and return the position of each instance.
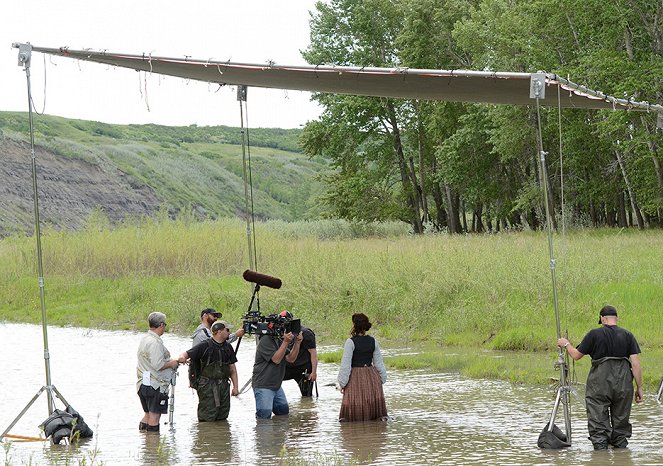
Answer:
(188, 166)
(480, 305)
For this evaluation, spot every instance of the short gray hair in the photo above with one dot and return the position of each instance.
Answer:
(155, 319)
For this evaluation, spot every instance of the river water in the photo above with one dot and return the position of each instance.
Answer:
(436, 418)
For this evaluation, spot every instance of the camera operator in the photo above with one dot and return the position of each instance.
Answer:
(213, 363)
(268, 371)
(305, 368)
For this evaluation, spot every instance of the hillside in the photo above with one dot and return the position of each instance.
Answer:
(137, 170)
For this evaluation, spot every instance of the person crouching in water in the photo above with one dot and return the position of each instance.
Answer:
(214, 365)
(362, 375)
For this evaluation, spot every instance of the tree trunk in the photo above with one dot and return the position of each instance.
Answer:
(422, 165)
(408, 180)
(592, 214)
(440, 214)
(478, 212)
(631, 195)
(621, 210)
(452, 211)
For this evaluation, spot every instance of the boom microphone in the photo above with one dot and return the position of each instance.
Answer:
(262, 279)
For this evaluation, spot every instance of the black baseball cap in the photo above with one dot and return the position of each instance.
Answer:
(210, 310)
(607, 311)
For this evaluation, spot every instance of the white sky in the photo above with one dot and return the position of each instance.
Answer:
(247, 31)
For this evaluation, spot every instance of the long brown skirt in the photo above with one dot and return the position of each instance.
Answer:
(363, 397)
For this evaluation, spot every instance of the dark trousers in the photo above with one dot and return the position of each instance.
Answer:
(608, 398)
(297, 373)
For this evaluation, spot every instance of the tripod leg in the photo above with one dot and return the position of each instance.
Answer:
(58, 394)
(660, 390)
(553, 414)
(34, 398)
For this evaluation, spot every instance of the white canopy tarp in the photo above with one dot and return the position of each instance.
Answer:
(406, 83)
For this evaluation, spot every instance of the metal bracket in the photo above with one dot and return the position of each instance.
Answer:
(241, 93)
(537, 86)
(24, 54)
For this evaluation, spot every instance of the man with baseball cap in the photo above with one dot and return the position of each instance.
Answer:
(213, 363)
(609, 393)
(207, 317)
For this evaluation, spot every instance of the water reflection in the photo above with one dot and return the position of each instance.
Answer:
(213, 443)
(364, 440)
(436, 418)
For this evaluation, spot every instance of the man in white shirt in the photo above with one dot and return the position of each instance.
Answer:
(154, 370)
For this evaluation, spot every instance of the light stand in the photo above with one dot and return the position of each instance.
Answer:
(551, 437)
(24, 57)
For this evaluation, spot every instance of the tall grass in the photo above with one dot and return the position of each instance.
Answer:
(490, 292)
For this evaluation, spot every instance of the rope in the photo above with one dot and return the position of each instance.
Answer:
(253, 217)
(561, 158)
(24, 438)
(248, 180)
(32, 101)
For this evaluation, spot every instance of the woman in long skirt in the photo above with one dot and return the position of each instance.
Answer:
(361, 375)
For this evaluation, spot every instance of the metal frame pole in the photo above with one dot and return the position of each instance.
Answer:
(537, 91)
(24, 58)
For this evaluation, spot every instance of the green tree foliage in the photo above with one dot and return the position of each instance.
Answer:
(439, 165)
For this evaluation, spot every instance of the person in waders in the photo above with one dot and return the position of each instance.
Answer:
(154, 370)
(362, 375)
(609, 393)
(213, 361)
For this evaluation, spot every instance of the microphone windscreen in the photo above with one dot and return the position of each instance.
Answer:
(262, 279)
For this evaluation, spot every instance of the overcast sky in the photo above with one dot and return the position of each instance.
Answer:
(247, 31)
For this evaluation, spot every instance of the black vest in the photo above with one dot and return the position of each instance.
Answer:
(363, 353)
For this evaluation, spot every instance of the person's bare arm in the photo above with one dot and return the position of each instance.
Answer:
(573, 352)
(314, 364)
(636, 369)
(278, 355)
(294, 352)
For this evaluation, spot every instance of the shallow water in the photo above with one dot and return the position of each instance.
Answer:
(436, 418)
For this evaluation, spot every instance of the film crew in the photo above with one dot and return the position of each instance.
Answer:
(268, 371)
(609, 393)
(213, 364)
(304, 369)
(362, 375)
(207, 317)
(155, 369)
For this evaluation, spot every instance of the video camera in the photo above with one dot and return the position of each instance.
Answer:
(273, 324)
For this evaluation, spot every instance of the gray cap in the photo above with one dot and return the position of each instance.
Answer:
(220, 325)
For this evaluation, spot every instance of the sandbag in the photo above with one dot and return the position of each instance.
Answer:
(61, 424)
(552, 440)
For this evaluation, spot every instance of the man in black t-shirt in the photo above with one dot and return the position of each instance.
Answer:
(214, 361)
(609, 393)
(304, 369)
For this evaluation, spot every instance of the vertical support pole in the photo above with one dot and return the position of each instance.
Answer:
(537, 91)
(24, 58)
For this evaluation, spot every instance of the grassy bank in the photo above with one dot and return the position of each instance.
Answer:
(477, 304)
